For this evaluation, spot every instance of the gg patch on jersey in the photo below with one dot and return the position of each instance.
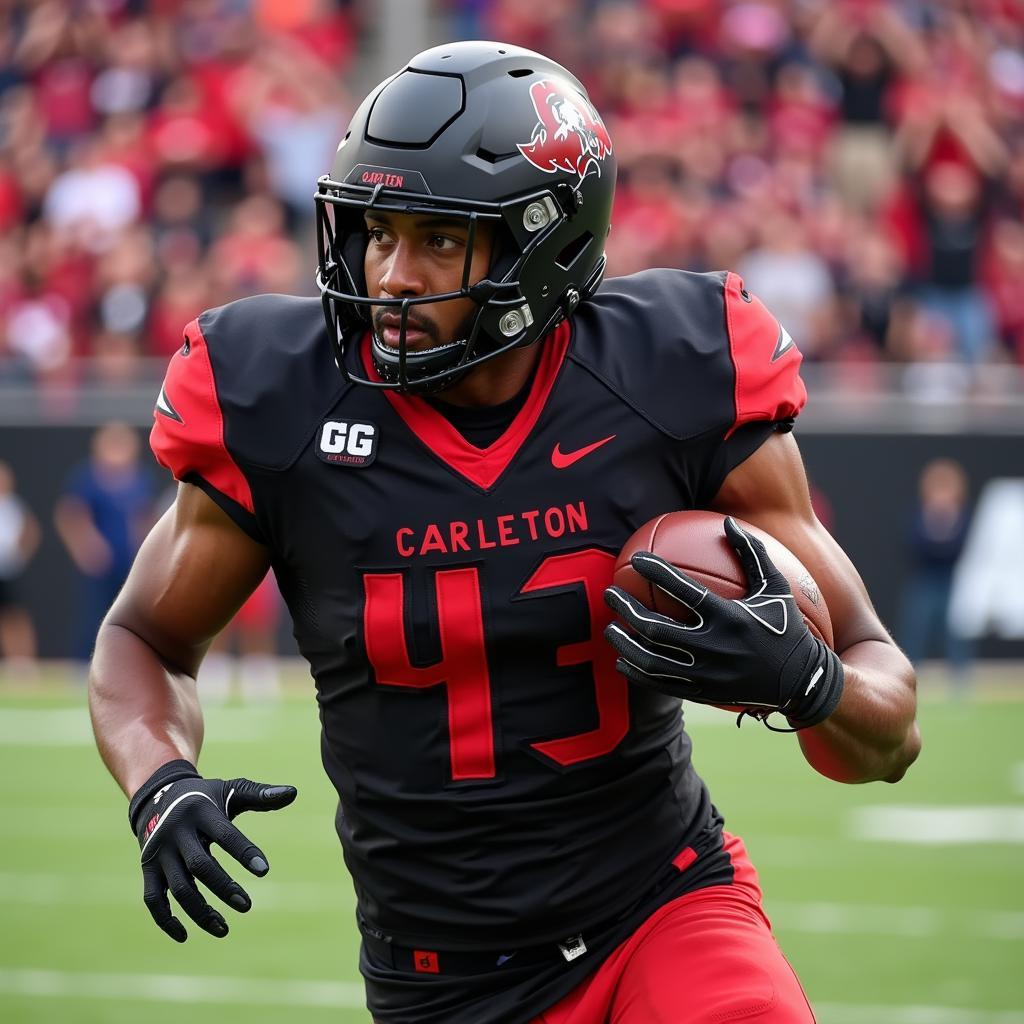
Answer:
(347, 443)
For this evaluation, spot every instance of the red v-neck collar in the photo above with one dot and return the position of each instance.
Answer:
(480, 466)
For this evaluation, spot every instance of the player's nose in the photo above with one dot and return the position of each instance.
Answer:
(403, 272)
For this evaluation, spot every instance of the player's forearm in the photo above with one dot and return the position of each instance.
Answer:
(144, 711)
(872, 735)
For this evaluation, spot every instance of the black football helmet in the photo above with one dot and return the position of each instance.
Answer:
(484, 132)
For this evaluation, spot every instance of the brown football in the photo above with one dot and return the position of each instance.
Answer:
(695, 542)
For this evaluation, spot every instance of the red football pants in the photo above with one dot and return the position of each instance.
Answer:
(708, 957)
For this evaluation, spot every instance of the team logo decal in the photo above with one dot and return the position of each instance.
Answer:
(570, 136)
(347, 443)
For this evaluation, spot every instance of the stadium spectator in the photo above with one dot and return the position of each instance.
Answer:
(292, 107)
(1004, 275)
(936, 537)
(57, 50)
(255, 254)
(103, 514)
(932, 372)
(124, 278)
(37, 320)
(952, 220)
(793, 280)
(954, 158)
(869, 47)
(92, 201)
(188, 133)
(874, 303)
(182, 222)
(135, 58)
(114, 359)
(183, 295)
(19, 538)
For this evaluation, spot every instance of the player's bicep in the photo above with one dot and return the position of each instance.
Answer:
(192, 573)
(770, 490)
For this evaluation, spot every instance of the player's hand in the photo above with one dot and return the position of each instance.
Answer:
(755, 651)
(176, 815)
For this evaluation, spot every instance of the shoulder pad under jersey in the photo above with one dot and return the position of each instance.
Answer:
(691, 353)
(245, 391)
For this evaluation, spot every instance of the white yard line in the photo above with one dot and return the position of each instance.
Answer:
(905, 922)
(843, 851)
(38, 889)
(70, 727)
(938, 825)
(817, 918)
(62, 727)
(848, 1013)
(348, 995)
(180, 988)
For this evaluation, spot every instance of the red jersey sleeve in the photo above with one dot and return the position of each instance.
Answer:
(765, 358)
(188, 431)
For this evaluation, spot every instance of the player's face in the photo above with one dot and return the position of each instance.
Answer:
(410, 255)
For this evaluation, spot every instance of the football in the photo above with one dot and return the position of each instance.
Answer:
(696, 543)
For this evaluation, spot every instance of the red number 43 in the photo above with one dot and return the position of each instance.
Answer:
(462, 667)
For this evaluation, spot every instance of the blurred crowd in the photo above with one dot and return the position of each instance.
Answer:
(156, 158)
(860, 162)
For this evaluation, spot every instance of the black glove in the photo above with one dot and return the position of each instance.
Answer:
(176, 815)
(756, 652)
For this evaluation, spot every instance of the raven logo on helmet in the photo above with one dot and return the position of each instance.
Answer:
(570, 136)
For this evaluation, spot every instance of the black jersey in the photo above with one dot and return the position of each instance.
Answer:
(500, 784)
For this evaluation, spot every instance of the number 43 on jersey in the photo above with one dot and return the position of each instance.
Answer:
(463, 667)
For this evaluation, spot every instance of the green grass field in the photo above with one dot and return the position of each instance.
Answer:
(889, 913)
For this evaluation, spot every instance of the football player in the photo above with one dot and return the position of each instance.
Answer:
(440, 458)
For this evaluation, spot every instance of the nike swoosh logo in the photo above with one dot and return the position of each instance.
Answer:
(562, 460)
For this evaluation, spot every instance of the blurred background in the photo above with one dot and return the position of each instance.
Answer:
(859, 162)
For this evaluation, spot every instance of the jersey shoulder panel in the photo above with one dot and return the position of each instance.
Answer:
(765, 359)
(187, 437)
(691, 353)
(246, 389)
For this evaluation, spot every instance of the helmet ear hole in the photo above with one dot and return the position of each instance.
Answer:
(573, 251)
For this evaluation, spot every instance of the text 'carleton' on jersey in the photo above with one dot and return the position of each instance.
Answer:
(504, 531)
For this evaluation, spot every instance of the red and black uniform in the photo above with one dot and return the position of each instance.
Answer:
(502, 788)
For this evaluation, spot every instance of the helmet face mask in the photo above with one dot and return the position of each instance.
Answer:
(545, 194)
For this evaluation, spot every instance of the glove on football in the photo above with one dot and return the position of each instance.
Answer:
(176, 814)
(756, 651)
